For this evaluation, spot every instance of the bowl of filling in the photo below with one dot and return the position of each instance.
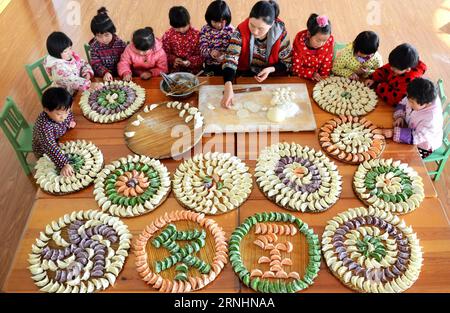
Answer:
(181, 85)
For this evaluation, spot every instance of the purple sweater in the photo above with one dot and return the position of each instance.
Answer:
(213, 39)
(423, 128)
(46, 133)
(104, 58)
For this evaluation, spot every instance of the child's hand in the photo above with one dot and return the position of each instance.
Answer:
(388, 133)
(67, 170)
(127, 77)
(108, 77)
(72, 124)
(262, 76)
(228, 94)
(215, 54)
(95, 86)
(178, 62)
(146, 75)
(369, 82)
(187, 63)
(354, 76)
(87, 76)
(317, 77)
(400, 122)
(362, 71)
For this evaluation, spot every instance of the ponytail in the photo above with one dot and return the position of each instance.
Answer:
(101, 23)
(318, 24)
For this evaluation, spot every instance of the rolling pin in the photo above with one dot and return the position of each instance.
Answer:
(242, 90)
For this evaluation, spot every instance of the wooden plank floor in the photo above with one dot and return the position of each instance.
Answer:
(25, 25)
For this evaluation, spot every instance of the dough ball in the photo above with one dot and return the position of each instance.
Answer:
(276, 115)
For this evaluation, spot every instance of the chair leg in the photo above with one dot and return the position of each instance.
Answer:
(440, 170)
(23, 162)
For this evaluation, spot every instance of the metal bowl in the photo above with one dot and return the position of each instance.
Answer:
(179, 76)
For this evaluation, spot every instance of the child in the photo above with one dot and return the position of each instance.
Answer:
(181, 43)
(360, 58)
(215, 35)
(418, 118)
(313, 49)
(51, 124)
(391, 80)
(144, 57)
(65, 67)
(106, 47)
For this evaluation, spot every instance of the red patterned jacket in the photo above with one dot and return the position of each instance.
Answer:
(184, 46)
(392, 88)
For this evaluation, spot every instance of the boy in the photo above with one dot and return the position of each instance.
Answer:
(52, 123)
(391, 80)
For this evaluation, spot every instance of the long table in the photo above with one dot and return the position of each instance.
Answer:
(429, 221)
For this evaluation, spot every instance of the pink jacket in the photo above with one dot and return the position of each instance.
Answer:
(154, 61)
(423, 128)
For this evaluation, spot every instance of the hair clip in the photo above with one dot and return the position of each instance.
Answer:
(322, 20)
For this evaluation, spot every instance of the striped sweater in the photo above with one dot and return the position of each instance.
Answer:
(104, 58)
(259, 54)
(213, 39)
(46, 133)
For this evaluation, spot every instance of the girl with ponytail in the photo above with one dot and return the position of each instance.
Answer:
(106, 47)
(313, 49)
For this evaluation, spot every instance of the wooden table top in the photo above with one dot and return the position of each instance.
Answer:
(429, 221)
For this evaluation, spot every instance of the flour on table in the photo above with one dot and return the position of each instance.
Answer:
(237, 106)
(242, 113)
(283, 105)
(252, 106)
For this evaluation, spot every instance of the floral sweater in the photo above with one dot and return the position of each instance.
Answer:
(392, 88)
(308, 61)
(422, 128)
(104, 58)
(213, 39)
(346, 63)
(154, 61)
(184, 46)
(46, 133)
(68, 74)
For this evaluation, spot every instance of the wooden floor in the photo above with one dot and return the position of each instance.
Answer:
(25, 25)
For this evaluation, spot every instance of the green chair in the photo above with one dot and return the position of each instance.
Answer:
(87, 49)
(441, 155)
(337, 47)
(441, 92)
(18, 132)
(30, 71)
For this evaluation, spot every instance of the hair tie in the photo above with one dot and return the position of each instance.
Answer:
(322, 21)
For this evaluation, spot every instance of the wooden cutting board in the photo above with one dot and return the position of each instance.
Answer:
(227, 120)
(163, 133)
